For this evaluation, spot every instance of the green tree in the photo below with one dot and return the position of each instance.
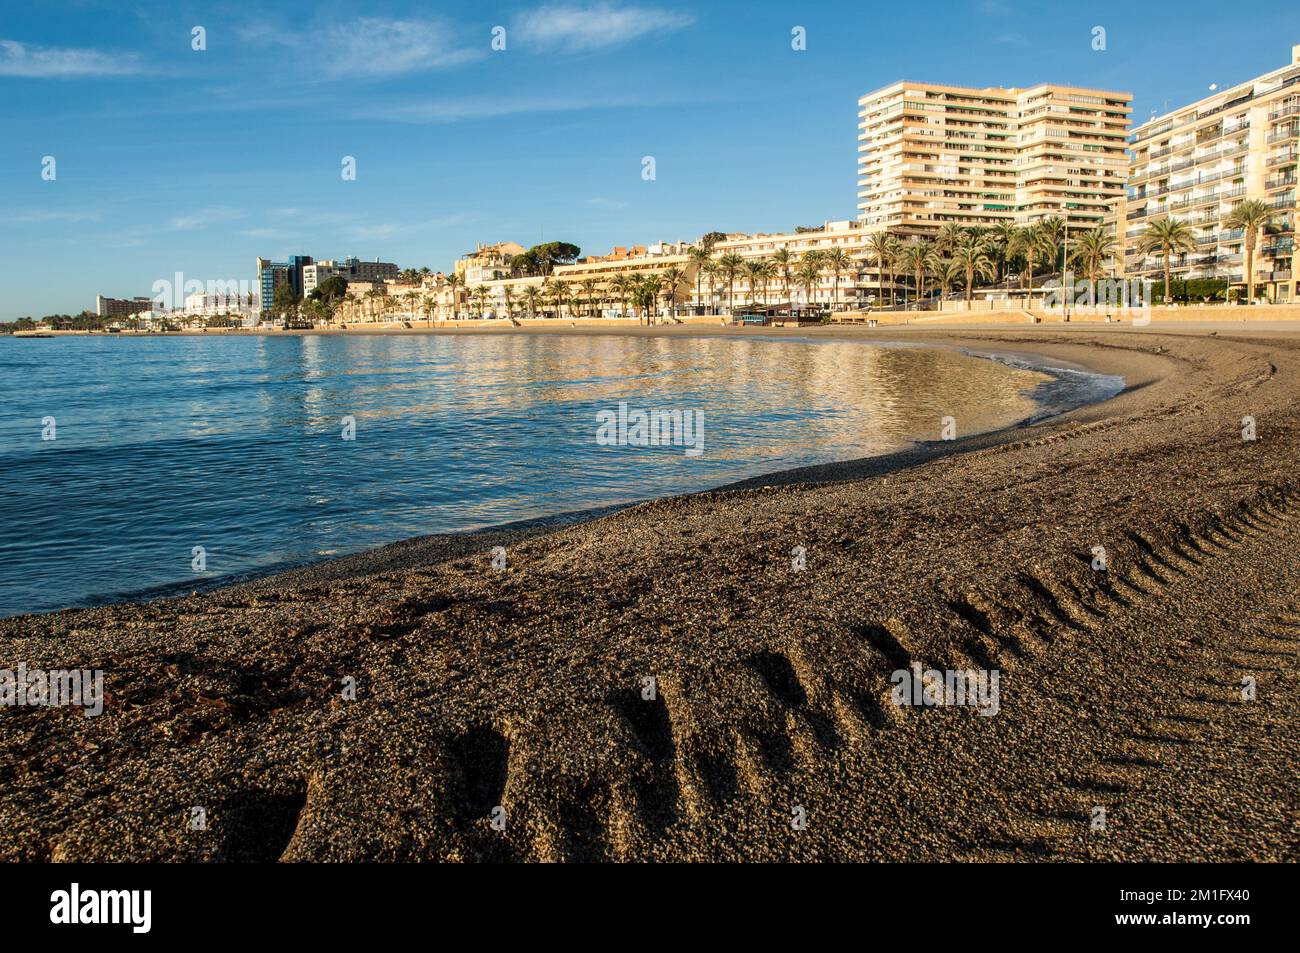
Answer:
(1169, 236)
(1250, 216)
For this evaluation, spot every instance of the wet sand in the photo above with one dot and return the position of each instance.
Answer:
(522, 688)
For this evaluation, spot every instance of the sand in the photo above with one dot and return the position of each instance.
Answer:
(772, 734)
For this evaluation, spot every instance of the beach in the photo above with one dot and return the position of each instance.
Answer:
(507, 712)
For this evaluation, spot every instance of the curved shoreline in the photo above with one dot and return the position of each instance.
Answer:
(522, 687)
(1023, 360)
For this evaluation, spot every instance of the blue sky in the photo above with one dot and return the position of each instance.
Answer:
(170, 159)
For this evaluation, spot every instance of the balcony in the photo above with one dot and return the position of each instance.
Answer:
(1282, 182)
(1282, 135)
(1282, 159)
(1290, 108)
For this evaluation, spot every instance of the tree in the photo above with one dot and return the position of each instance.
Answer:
(915, 257)
(974, 261)
(333, 288)
(1029, 242)
(547, 256)
(1091, 249)
(1052, 231)
(531, 294)
(559, 296)
(647, 294)
(285, 301)
(880, 248)
(711, 271)
(783, 262)
(698, 256)
(710, 239)
(624, 286)
(838, 261)
(755, 270)
(589, 286)
(672, 281)
(1171, 236)
(808, 274)
(455, 283)
(1250, 216)
(508, 296)
(480, 295)
(949, 237)
(729, 266)
(1001, 242)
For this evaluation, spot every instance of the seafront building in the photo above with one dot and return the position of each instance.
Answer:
(1199, 162)
(122, 307)
(349, 269)
(932, 155)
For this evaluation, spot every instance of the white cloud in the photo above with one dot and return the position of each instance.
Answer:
(489, 107)
(370, 46)
(18, 59)
(601, 26)
(202, 218)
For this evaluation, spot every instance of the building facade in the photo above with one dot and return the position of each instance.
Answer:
(932, 155)
(120, 307)
(1199, 162)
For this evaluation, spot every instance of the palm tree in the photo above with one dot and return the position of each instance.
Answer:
(508, 296)
(531, 294)
(648, 289)
(559, 295)
(808, 274)
(672, 281)
(1172, 236)
(1250, 216)
(880, 247)
(915, 257)
(373, 296)
(949, 237)
(698, 256)
(783, 262)
(971, 258)
(480, 298)
(1028, 241)
(712, 271)
(729, 266)
(1052, 230)
(1091, 249)
(455, 283)
(947, 271)
(427, 306)
(838, 261)
(754, 270)
(1002, 239)
(410, 297)
(624, 286)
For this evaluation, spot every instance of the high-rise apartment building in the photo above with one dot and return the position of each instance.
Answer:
(931, 155)
(1199, 162)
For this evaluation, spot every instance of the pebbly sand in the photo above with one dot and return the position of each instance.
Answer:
(523, 688)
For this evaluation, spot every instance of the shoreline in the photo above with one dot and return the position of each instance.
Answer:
(525, 527)
(521, 687)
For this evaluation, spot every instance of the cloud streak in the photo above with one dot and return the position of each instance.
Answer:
(601, 26)
(49, 62)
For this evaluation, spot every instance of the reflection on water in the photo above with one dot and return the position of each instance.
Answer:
(234, 443)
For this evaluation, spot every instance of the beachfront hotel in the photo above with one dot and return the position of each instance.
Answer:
(1199, 162)
(932, 155)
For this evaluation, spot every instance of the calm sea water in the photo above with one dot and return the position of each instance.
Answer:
(235, 443)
